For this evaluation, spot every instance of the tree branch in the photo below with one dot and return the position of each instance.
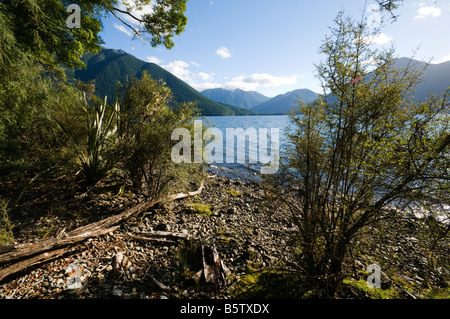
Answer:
(128, 13)
(129, 26)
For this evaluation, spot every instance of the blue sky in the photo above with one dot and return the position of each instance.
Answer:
(271, 46)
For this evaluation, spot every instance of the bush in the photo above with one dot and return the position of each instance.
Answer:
(146, 124)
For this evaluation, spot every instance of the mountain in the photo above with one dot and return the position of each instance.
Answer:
(284, 103)
(110, 66)
(435, 77)
(239, 98)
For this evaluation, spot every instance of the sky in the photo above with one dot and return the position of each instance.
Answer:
(271, 46)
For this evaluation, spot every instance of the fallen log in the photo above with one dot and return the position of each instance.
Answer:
(158, 236)
(20, 251)
(164, 234)
(21, 265)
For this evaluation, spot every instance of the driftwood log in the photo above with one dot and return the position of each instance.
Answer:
(26, 255)
(157, 236)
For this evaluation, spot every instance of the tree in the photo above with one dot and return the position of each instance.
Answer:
(39, 27)
(159, 27)
(364, 151)
(35, 41)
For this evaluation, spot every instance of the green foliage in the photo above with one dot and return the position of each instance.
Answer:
(96, 149)
(6, 235)
(373, 293)
(29, 102)
(112, 66)
(167, 20)
(41, 30)
(145, 127)
(133, 135)
(361, 148)
(40, 27)
(268, 284)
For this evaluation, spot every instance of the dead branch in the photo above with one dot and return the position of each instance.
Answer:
(14, 253)
(21, 265)
(158, 236)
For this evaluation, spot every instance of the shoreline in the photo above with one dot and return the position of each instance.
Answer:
(250, 237)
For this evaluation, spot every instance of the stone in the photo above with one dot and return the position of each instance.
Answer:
(117, 292)
(197, 276)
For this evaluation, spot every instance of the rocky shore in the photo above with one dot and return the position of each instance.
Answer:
(232, 214)
(229, 213)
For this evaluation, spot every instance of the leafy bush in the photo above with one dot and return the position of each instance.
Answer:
(96, 148)
(146, 125)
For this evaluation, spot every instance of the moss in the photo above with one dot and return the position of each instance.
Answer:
(373, 293)
(266, 284)
(6, 235)
(234, 193)
(203, 209)
(437, 293)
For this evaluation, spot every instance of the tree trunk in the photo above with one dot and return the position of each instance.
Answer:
(334, 273)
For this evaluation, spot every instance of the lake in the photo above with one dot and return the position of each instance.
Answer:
(251, 168)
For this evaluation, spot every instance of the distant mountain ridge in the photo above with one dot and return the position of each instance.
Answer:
(238, 97)
(284, 103)
(110, 66)
(436, 78)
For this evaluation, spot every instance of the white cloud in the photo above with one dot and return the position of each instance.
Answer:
(202, 80)
(153, 59)
(204, 76)
(138, 13)
(123, 29)
(204, 86)
(179, 69)
(425, 12)
(223, 52)
(195, 64)
(199, 81)
(378, 39)
(256, 80)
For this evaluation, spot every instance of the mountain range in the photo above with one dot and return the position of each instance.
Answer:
(238, 97)
(111, 66)
(284, 103)
(436, 79)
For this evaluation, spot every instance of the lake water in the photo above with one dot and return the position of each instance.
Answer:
(248, 170)
(251, 171)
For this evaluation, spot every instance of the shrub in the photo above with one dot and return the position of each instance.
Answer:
(146, 124)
